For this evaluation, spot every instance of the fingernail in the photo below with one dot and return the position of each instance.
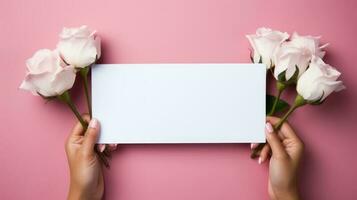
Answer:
(269, 128)
(93, 123)
(113, 147)
(101, 147)
(253, 145)
(260, 160)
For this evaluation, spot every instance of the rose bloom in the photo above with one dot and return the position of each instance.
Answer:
(47, 74)
(296, 54)
(264, 43)
(319, 81)
(79, 47)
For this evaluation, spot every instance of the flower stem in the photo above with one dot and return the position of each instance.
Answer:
(84, 73)
(66, 98)
(281, 87)
(285, 117)
(299, 101)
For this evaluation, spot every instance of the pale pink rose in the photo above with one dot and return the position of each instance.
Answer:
(312, 43)
(79, 47)
(296, 54)
(264, 43)
(318, 81)
(47, 74)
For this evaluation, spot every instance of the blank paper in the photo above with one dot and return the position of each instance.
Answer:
(179, 103)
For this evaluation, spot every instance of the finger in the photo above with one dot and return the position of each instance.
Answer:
(78, 129)
(285, 131)
(101, 147)
(112, 147)
(264, 154)
(253, 145)
(91, 136)
(274, 141)
(288, 132)
(76, 135)
(292, 142)
(273, 120)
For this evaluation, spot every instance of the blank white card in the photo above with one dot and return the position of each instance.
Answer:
(179, 103)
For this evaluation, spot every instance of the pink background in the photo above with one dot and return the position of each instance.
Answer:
(32, 133)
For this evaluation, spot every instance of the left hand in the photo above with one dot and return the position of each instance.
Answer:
(86, 176)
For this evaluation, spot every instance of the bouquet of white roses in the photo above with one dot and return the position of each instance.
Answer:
(294, 61)
(52, 73)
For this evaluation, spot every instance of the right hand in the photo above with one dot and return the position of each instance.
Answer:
(287, 151)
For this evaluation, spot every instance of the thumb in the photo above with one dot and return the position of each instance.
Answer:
(91, 136)
(274, 141)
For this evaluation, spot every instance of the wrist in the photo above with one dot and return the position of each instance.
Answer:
(287, 195)
(80, 194)
(75, 194)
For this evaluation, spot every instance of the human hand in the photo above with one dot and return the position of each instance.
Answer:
(287, 150)
(86, 176)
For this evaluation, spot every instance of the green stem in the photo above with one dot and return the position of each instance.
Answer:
(66, 98)
(84, 74)
(280, 87)
(299, 101)
(283, 119)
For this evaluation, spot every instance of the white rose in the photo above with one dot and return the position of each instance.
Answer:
(296, 54)
(319, 81)
(264, 43)
(79, 46)
(47, 74)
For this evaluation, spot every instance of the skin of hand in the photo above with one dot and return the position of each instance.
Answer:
(287, 150)
(86, 175)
